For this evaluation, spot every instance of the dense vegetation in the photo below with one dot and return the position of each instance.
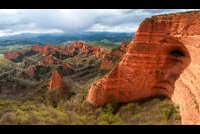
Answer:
(154, 111)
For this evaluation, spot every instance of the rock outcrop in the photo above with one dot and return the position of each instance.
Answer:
(56, 82)
(59, 53)
(113, 57)
(83, 48)
(18, 56)
(31, 71)
(49, 60)
(99, 52)
(11, 55)
(37, 48)
(46, 50)
(162, 59)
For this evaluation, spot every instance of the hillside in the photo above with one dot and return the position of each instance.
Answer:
(53, 81)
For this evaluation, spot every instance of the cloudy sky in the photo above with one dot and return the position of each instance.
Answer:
(17, 21)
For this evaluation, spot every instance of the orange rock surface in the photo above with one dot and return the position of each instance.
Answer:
(37, 48)
(162, 59)
(56, 81)
(11, 55)
(48, 49)
(83, 48)
(78, 45)
(31, 71)
(98, 53)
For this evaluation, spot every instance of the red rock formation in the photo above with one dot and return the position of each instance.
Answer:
(11, 55)
(111, 58)
(31, 71)
(63, 47)
(106, 64)
(66, 65)
(123, 47)
(83, 48)
(50, 60)
(37, 48)
(98, 53)
(56, 82)
(162, 59)
(78, 44)
(48, 49)
(71, 49)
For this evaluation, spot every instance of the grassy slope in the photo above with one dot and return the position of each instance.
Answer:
(154, 111)
(6, 63)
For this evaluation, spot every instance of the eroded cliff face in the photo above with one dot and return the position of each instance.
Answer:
(162, 59)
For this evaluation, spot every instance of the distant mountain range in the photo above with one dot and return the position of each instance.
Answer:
(29, 39)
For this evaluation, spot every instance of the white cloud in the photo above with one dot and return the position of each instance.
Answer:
(15, 21)
(103, 28)
(9, 11)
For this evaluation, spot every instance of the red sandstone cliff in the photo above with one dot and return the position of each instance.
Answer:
(56, 81)
(162, 59)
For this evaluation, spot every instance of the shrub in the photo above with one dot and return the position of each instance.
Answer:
(128, 107)
(53, 97)
(42, 72)
(110, 108)
(170, 111)
(109, 119)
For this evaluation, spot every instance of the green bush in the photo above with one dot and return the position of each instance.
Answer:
(110, 108)
(170, 111)
(109, 119)
(42, 72)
